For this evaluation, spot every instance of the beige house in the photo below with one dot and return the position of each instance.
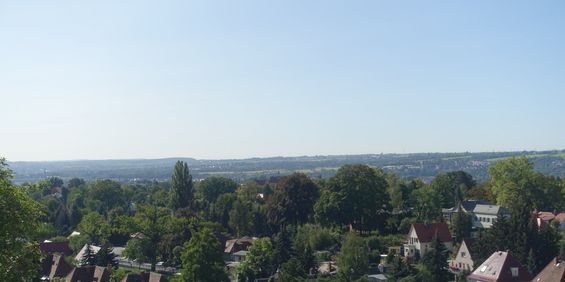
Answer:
(463, 260)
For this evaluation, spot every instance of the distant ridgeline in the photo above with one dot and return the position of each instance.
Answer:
(422, 165)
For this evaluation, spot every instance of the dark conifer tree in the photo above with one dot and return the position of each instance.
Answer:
(89, 257)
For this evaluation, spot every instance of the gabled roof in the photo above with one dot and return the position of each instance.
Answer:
(145, 277)
(235, 245)
(55, 266)
(469, 243)
(546, 216)
(55, 247)
(469, 205)
(498, 267)
(80, 254)
(554, 271)
(426, 232)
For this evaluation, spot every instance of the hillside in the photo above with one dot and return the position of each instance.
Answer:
(423, 165)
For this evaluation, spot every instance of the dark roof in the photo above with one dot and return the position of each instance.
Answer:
(55, 266)
(145, 277)
(553, 272)
(55, 247)
(80, 274)
(426, 232)
(498, 267)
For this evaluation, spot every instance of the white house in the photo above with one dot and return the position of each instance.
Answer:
(483, 213)
(421, 235)
(464, 259)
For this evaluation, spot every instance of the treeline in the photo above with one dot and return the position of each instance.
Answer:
(351, 218)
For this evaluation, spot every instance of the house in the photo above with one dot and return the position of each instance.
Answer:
(544, 218)
(421, 235)
(80, 254)
(54, 265)
(483, 213)
(500, 267)
(48, 247)
(88, 273)
(145, 277)
(236, 245)
(554, 271)
(463, 260)
(239, 256)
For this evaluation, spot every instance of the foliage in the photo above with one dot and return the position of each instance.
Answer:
(213, 187)
(202, 258)
(461, 225)
(353, 259)
(181, 187)
(293, 200)
(435, 261)
(106, 257)
(95, 227)
(89, 257)
(19, 217)
(259, 261)
(360, 197)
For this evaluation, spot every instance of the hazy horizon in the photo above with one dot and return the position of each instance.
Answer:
(277, 156)
(232, 80)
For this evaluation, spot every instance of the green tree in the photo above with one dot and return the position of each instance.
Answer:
(106, 257)
(202, 258)
(512, 181)
(292, 271)
(212, 187)
(104, 195)
(152, 222)
(353, 259)
(451, 187)
(95, 227)
(361, 196)
(241, 218)
(181, 187)
(19, 219)
(259, 261)
(293, 201)
(282, 247)
(435, 260)
(461, 226)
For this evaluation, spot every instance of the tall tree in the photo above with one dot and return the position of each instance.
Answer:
(353, 259)
(435, 260)
(461, 226)
(293, 201)
(181, 187)
(19, 220)
(202, 258)
(241, 218)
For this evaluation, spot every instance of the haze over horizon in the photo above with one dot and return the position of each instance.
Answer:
(226, 80)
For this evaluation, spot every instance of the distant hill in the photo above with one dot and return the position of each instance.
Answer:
(423, 165)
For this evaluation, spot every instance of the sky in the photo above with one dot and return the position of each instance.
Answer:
(236, 79)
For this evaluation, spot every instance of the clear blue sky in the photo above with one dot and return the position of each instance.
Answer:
(232, 79)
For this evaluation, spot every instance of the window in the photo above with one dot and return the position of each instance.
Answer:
(462, 254)
(514, 271)
(488, 219)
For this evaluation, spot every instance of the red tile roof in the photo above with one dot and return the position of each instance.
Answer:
(553, 272)
(546, 216)
(560, 217)
(498, 268)
(426, 232)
